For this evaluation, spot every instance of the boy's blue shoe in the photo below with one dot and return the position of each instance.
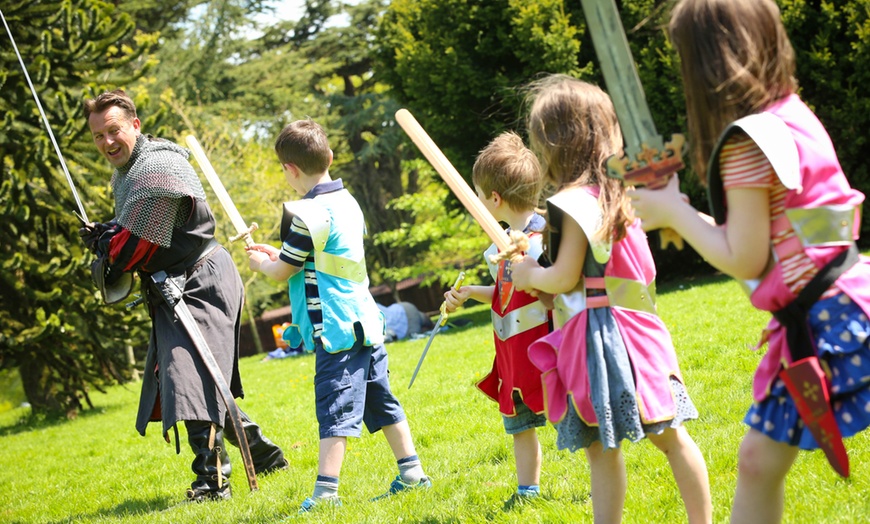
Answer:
(311, 503)
(399, 485)
(529, 493)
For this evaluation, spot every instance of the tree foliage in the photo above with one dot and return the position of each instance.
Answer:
(55, 328)
(346, 97)
(157, 16)
(457, 64)
(363, 124)
(832, 44)
(435, 240)
(197, 63)
(440, 59)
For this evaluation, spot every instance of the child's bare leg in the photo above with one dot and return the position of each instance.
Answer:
(690, 472)
(527, 452)
(761, 469)
(410, 468)
(331, 456)
(399, 437)
(608, 483)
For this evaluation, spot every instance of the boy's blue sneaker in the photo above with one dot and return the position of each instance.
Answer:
(310, 503)
(529, 493)
(399, 485)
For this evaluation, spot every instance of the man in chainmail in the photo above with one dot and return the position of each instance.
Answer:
(163, 222)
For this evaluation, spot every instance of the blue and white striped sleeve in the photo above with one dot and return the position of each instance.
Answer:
(298, 244)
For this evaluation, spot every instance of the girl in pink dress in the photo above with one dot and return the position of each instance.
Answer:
(784, 219)
(610, 371)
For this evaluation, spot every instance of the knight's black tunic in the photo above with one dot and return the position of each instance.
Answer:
(181, 241)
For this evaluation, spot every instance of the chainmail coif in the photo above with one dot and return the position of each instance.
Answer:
(153, 190)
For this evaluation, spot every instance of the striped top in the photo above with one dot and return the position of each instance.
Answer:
(296, 249)
(744, 165)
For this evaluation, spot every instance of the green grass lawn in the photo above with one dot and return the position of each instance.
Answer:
(98, 469)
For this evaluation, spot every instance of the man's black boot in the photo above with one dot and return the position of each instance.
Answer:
(265, 454)
(211, 463)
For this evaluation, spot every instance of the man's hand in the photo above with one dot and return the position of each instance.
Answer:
(91, 233)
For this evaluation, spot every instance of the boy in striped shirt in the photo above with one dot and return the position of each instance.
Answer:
(334, 314)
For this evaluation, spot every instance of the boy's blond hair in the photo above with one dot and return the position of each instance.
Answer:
(512, 170)
(303, 143)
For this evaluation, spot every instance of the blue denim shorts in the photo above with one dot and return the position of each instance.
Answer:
(351, 388)
(524, 419)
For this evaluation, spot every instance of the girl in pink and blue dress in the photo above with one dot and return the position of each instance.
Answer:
(610, 371)
(783, 214)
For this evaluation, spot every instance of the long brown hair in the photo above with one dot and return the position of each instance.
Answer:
(736, 59)
(573, 129)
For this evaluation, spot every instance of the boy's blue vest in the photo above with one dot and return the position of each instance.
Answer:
(337, 226)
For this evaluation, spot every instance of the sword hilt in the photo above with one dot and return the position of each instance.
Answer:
(651, 167)
(246, 234)
(443, 308)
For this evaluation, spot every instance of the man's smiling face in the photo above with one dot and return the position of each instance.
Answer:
(114, 134)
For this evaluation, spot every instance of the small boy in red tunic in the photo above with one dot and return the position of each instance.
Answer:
(508, 180)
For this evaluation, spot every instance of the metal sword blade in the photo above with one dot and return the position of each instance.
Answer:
(435, 331)
(82, 215)
(442, 319)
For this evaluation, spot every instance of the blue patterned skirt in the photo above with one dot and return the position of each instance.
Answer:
(841, 332)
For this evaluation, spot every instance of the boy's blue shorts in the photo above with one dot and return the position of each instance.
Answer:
(352, 387)
(524, 419)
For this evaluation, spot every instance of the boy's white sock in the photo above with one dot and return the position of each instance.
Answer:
(325, 487)
(411, 469)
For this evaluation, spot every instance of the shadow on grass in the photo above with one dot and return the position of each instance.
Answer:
(128, 508)
(519, 504)
(476, 315)
(31, 421)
